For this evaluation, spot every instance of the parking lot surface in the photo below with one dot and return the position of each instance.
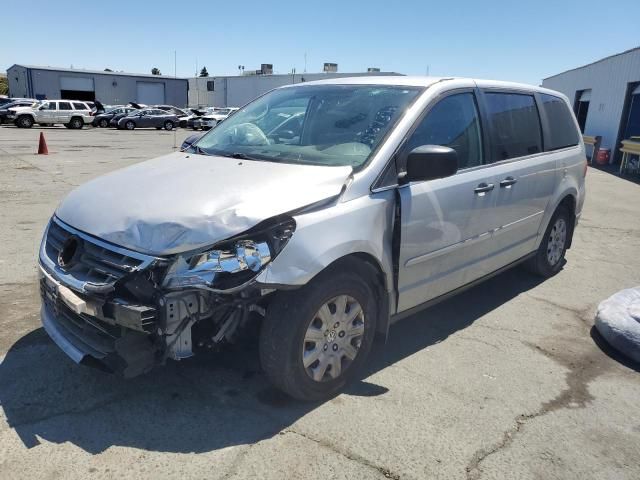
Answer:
(507, 380)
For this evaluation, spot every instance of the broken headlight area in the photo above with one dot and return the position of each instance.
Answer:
(234, 263)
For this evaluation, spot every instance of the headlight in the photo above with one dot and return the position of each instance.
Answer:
(232, 262)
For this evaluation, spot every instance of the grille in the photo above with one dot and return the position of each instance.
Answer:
(93, 263)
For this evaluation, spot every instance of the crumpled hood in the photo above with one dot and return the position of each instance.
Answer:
(181, 202)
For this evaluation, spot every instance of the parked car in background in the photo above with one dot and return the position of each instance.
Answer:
(374, 198)
(182, 115)
(14, 104)
(6, 100)
(195, 114)
(102, 119)
(71, 113)
(148, 118)
(213, 117)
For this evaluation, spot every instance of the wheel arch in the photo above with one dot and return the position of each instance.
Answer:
(567, 199)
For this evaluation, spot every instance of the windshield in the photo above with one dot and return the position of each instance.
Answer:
(320, 124)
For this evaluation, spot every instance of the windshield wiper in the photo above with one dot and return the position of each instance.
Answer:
(199, 150)
(238, 155)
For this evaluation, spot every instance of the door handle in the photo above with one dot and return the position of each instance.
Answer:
(483, 188)
(507, 182)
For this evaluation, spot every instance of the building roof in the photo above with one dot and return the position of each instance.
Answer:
(301, 74)
(593, 63)
(95, 72)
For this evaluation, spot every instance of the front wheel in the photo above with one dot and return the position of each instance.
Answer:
(316, 339)
(549, 258)
(25, 121)
(130, 125)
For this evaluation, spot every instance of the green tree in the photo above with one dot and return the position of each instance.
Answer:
(4, 86)
(203, 72)
(155, 71)
(108, 70)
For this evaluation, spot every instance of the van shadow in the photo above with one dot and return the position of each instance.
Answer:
(205, 403)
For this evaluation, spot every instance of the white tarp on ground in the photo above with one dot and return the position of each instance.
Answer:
(618, 321)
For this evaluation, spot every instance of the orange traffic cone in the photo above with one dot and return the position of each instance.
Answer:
(42, 145)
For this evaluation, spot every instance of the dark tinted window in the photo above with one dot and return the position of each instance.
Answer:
(64, 106)
(452, 122)
(79, 106)
(562, 128)
(516, 125)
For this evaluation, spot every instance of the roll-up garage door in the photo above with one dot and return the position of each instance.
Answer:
(150, 93)
(81, 84)
(77, 88)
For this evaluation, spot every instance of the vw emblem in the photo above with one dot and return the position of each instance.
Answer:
(68, 252)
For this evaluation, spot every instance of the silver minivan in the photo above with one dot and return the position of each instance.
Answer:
(316, 215)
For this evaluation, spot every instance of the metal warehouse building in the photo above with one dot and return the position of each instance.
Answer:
(606, 97)
(236, 91)
(107, 87)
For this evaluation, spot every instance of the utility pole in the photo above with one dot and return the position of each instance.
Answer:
(175, 75)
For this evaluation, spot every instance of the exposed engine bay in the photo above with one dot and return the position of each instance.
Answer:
(126, 313)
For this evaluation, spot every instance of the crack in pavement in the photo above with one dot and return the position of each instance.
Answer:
(582, 370)
(354, 457)
(580, 314)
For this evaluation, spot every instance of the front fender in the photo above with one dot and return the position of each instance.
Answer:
(363, 225)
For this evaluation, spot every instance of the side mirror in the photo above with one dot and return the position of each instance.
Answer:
(429, 162)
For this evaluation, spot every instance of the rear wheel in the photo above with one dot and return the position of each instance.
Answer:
(550, 255)
(316, 339)
(103, 123)
(25, 121)
(130, 125)
(168, 125)
(76, 123)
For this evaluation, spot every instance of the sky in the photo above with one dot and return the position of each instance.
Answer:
(514, 40)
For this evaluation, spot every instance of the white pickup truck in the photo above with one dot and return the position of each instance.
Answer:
(71, 113)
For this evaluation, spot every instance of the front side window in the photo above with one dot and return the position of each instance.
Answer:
(562, 127)
(64, 106)
(335, 125)
(453, 122)
(48, 106)
(515, 125)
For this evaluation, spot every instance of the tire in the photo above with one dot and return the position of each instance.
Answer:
(549, 258)
(103, 123)
(24, 121)
(76, 123)
(67, 125)
(294, 316)
(168, 125)
(130, 125)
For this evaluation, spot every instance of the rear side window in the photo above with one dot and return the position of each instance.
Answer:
(64, 106)
(79, 106)
(453, 122)
(562, 128)
(515, 125)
